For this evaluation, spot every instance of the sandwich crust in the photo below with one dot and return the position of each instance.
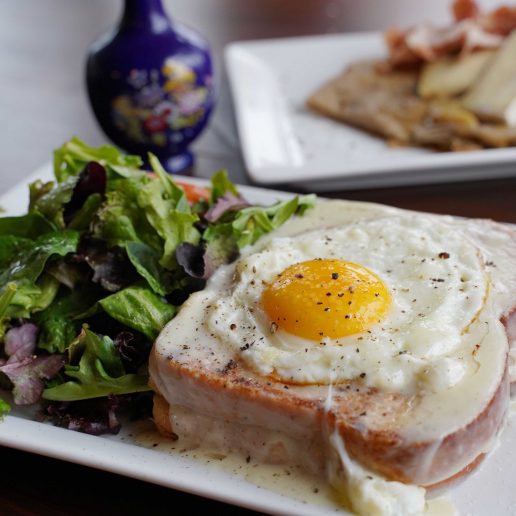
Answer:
(366, 419)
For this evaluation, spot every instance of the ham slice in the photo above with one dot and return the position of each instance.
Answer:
(471, 31)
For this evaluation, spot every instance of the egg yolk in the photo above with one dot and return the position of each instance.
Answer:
(325, 298)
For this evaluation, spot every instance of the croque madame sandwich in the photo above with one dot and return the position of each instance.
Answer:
(366, 343)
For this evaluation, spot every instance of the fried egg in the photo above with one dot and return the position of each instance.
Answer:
(392, 301)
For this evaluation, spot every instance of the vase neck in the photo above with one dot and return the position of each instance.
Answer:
(144, 14)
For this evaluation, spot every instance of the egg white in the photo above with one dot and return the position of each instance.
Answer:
(437, 280)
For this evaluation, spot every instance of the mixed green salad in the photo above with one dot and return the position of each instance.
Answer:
(99, 264)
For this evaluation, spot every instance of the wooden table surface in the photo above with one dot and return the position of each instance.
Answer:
(42, 102)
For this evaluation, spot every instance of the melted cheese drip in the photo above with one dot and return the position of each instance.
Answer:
(369, 494)
(292, 481)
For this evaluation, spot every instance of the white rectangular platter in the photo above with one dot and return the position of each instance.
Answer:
(282, 142)
(139, 452)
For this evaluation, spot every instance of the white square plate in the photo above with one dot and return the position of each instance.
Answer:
(139, 452)
(283, 142)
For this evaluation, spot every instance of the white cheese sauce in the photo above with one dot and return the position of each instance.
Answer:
(287, 480)
(291, 481)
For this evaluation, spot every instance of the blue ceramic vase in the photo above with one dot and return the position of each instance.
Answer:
(150, 83)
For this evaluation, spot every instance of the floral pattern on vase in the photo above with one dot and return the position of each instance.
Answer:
(172, 98)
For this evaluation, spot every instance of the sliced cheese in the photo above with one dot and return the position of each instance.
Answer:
(452, 76)
(493, 97)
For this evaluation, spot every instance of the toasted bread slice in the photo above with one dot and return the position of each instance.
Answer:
(417, 437)
(381, 103)
(385, 103)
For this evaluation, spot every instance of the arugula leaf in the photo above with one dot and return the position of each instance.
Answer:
(71, 158)
(139, 308)
(251, 223)
(97, 370)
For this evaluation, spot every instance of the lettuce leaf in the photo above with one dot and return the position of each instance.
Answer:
(31, 225)
(96, 369)
(38, 189)
(57, 323)
(23, 287)
(95, 416)
(5, 408)
(140, 309)
(121, 218)
(70, 159)
(139, 238)
(51, 203)
(172, 192)
(249, 224)
(30, 265)
(146, 261)
(168, 212)
(20, 299)
(11, 246)
(81, 219)
(111, 268)
(221, 185)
